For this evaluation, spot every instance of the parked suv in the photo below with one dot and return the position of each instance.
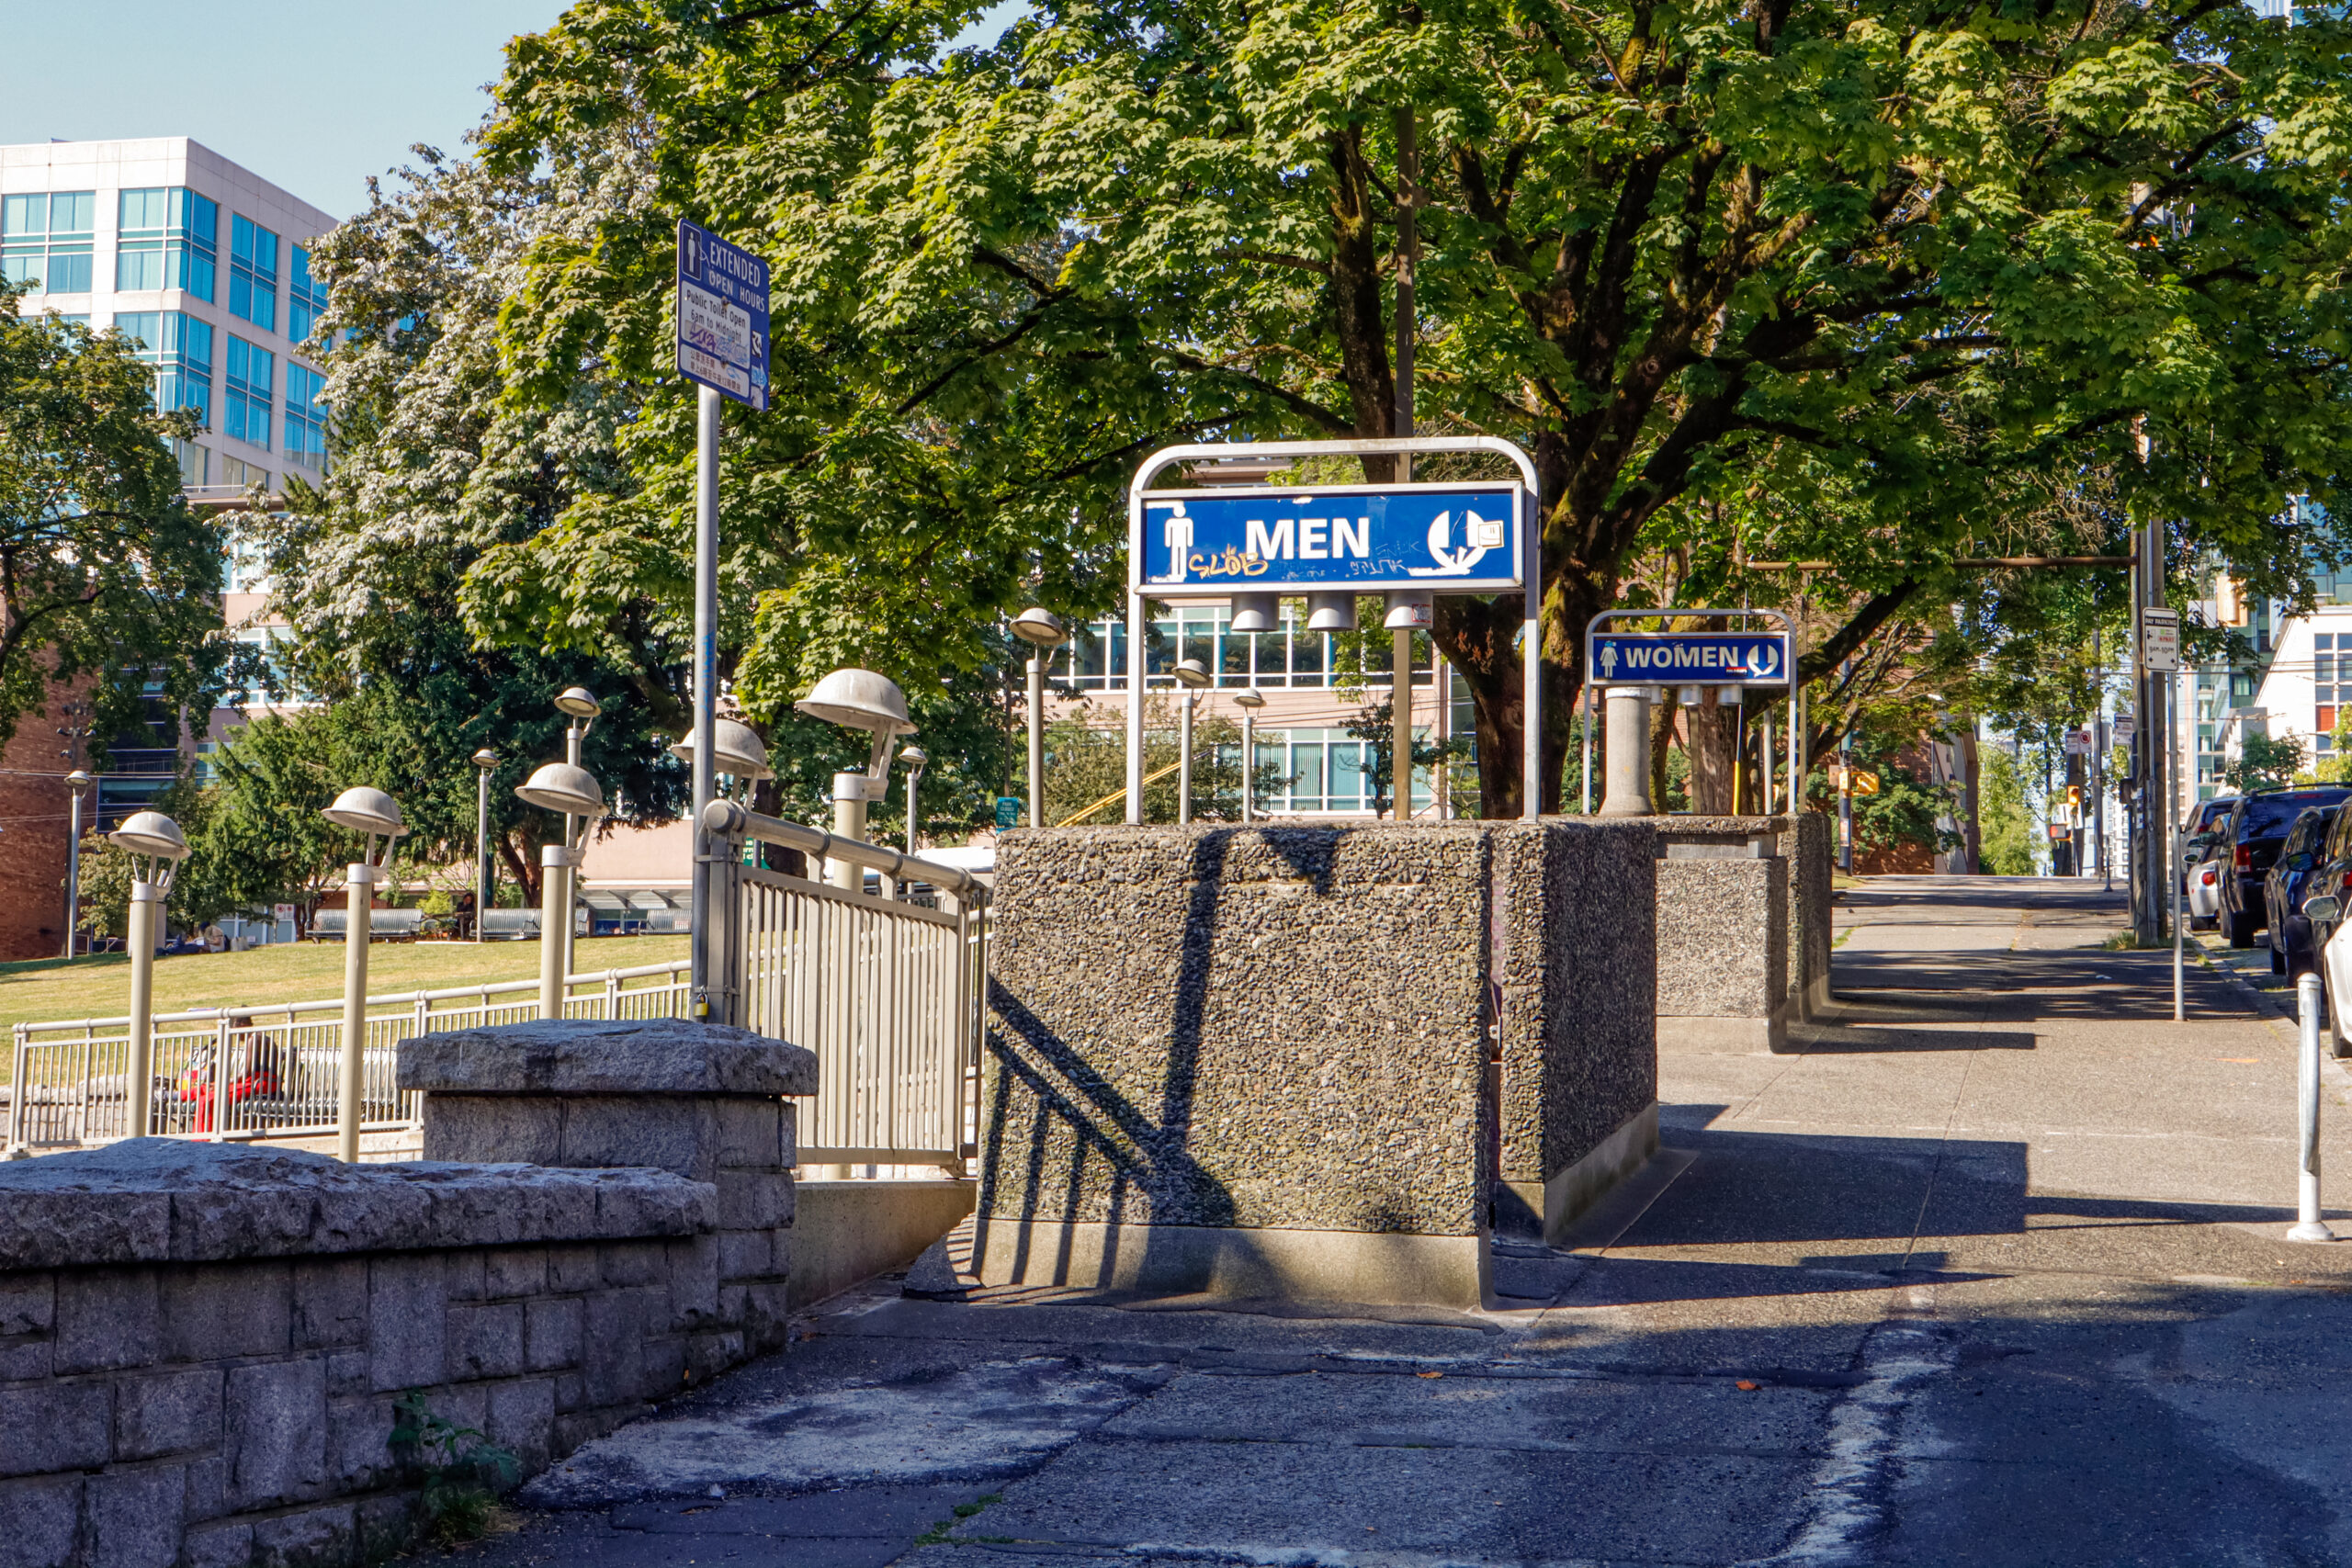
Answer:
(2291, 880)
(2256, 828)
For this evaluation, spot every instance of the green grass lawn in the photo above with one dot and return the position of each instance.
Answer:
(99, 986)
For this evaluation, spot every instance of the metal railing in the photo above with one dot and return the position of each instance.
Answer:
(884, 988)
(275, 1075)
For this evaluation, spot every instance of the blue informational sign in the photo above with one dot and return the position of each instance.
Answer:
(1691, 658)
(1451, 538)
(1008, 811)
(722, 316)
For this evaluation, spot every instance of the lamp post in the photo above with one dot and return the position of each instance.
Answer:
(485, 878)
(1192, 674)
(573, 792)
(737, 752)
(858, 699)
(582, 708)
(157, 846)
(1042, 629)
(373, 815)
(79, 783)
(916, 759)
(1249, 700)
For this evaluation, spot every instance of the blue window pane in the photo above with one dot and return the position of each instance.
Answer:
(74, 213)
(196, 272)
(69, 274)
(25, 267)
(21, 214)
(140, 268)
(305, 297)
(253, 272)
(143, 328)
(195, 335)
(143, 210)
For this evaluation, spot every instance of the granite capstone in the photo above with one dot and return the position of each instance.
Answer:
(569, 1057)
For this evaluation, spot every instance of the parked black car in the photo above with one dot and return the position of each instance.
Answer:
(2290, 882)
(2256, 828)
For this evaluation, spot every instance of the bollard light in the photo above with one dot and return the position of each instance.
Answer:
(858, 699)
(485, 876)
(1192, 674)
(916, 759)
(156, 847)
(374, 816)
(573, 793)
(1249, 700)
(79, 784)
(1045, 629)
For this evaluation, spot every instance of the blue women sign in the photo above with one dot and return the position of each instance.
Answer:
(1453, 538)
(1691, 658)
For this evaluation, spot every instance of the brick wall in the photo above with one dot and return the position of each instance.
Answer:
(34, 827)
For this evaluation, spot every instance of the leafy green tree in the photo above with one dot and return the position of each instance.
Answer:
(1086, 766)
(1898, 273)
(2264, 762)
(105, 574)
(2011, 831)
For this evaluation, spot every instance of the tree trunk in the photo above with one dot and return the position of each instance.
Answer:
(1713, 754)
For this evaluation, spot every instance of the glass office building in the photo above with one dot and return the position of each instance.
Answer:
(205, 265)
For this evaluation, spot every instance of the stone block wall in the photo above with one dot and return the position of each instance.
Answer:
(1259, 1060)
(702, 1101)
(1577, 978)
(1723, 929)
(1809, 908)
(200, 1345)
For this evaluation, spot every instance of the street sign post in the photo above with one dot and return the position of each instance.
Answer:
(2124, 727)
(1692, 658)
(2077, 743)
(722, 309)
(2159, 640)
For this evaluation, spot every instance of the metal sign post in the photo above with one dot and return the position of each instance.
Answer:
(723, 348)
(1334, 542)
(1697, 658)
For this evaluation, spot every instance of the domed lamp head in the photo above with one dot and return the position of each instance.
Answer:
(915, 757)
(1250, 698)
(736, 751)
(578, 702)
(1194, 673)
(860, 699)
(563, 787)
(1041, 626)
(78, 780)
(485, 758)
(156, 844)
(365, 810)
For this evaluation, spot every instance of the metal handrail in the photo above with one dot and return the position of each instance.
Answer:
(387, 998)
(726, 818)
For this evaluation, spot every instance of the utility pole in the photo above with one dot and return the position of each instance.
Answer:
(1400, 659)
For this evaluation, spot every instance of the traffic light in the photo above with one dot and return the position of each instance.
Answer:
(2073, 798)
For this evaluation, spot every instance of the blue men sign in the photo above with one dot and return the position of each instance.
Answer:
(1453, 538)
(1691, 658)
(722, 316)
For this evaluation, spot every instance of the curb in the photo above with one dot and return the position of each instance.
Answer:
(2333, 1070)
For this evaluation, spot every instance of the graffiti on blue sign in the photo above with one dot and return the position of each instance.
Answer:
(1453, 538)
(1692, 658)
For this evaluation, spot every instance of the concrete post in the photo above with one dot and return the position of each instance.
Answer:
(2309, 1225)
(138, 1083)
(359, 890)
(849, 822)
(1036, 743)
(1248, 764)
(1629, 753)
(1184, 763)
(555, 910)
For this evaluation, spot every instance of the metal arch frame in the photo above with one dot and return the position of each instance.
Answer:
(1797, 687)
(1531, 568)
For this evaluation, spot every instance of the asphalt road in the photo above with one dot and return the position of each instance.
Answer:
(1989, 1271)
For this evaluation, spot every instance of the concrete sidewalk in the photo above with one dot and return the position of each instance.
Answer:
(1988, 1271)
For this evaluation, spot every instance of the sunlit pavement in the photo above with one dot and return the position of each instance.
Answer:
(1987, 1269)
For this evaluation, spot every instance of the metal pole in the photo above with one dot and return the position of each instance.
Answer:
(1248, 764)
(1184, 763)
(706, 691)
(73, 878)
(483, 890)
(555, 907)
(2180, 942)
(1134, 685)
(914, 816)
(573, 734)
(1584, 784)
(1400, 662)
(1441, 775)
(1764, 760)
(138, 1084)
(849, 822)
(1530, 758)
(359, 886)
(2309, 1226)
(1036, 741)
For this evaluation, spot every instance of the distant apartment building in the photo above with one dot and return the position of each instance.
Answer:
(206, 267)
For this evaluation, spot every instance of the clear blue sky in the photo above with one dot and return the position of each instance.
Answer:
(313, 96)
